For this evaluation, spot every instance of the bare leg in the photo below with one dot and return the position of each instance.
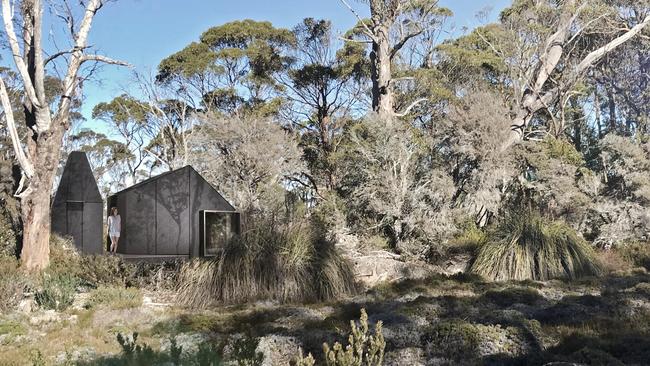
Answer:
(113, 244)
(117, 240)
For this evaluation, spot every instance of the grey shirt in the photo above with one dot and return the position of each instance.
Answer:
(114, 224)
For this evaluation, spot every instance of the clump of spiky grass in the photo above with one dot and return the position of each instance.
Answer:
(529, 247)
(286, 262)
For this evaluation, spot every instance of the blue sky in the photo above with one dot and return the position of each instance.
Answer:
(142, 32)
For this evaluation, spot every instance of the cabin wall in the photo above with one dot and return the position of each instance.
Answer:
(138, 220)
(161, 216)
(173, 213)
(203, 197)
(93, 228)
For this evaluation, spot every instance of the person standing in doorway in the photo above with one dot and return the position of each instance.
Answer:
(114, 228)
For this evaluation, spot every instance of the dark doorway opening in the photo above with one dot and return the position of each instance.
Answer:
(217, 228)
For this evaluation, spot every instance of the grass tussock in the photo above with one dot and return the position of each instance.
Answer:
(529, 247)
(285, 262)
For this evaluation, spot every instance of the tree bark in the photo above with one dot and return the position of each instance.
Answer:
(35, 204)
(382, 96)
(35, 209)
(611, 104)
(40, 162)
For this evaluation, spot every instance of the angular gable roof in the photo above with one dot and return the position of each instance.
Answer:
(190, 170)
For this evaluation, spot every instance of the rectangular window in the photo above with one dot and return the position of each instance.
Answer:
(217, 229)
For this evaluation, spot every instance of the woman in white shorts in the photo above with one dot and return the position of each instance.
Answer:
(114, 228)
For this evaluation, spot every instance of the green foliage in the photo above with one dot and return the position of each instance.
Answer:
(10, 329)
(134, 353)
(470, 237)
(122, 109)
(57, 292)
(115, 297)
(362, 349)
(229, 60)
(106, 270)
(526, 246)
(514, 295)
(375, 242)
(92, 270)
(244, 352)
(191, 61)
(284, 261)
(563, 150)
(470, 55)
(36, 358)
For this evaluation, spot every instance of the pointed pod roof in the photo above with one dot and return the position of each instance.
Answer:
(77, 183)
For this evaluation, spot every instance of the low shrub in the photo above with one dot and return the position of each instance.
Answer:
(375, 242)
(8, 239)
(530, 247)
(514, 295)
(98, 270)
(10, 329)
(612, 261)
(287, 262)
(92, 270)
(363, 348)
(57, 291)
(137, 353)
(636, 253)
(470, 238)
(563, 150)
(12, 284)
(156, 275)
(64, 258)
(115, 297)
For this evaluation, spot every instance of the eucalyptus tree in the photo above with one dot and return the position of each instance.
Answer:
(230, 69)
(47, 121)
(323, 86)
(621, 89)
(392, 25)
(130, 118)
(551, 47)
(171, 121)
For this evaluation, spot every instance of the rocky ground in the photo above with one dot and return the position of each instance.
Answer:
(429, 320)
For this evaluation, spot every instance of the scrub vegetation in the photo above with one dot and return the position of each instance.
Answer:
(474, 197)
(272, 260)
